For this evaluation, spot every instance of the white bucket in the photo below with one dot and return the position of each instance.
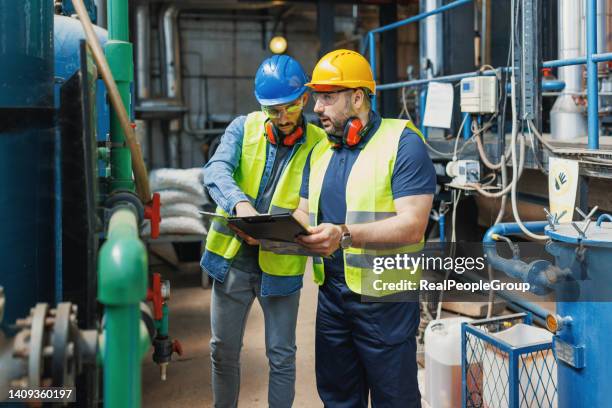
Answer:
(443, 362)
(495, 368)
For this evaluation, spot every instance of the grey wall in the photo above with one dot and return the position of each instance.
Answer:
(220, 58)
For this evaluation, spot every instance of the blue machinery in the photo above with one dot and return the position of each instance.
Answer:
(35, 128)
(581, 281)
(580, 275)
(591, 60)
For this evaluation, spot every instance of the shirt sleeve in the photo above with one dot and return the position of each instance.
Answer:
(413, 173)
(219, 171)
(305, 178)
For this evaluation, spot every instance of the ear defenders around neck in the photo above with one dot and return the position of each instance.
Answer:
(354, 131)
(275, 136)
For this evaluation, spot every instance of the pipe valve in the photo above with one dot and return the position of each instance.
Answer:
(555, 323)
(152, 213)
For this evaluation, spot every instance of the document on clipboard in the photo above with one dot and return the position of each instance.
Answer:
(272, 227)
(275, 232)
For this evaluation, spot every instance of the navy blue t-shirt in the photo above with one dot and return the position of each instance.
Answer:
(413, 174)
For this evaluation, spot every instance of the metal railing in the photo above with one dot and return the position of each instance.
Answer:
(591, 60)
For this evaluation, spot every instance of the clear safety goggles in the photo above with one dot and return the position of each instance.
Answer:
(328, 98)
(274, 112)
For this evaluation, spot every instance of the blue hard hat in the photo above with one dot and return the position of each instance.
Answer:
(279, 79)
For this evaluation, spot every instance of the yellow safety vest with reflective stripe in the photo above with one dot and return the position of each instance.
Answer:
(223, 241)
(369, 198)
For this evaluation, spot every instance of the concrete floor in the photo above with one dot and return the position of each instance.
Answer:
(188, 382)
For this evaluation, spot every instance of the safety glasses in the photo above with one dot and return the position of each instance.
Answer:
(328, 98)
(274, 112)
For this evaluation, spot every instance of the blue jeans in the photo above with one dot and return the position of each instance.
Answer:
(230, 305)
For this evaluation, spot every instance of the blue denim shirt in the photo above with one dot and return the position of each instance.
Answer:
(219, 180)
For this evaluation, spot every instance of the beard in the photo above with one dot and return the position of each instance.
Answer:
(338, 123)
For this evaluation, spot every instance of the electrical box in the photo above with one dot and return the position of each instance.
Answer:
(463, 171)
(479, 94)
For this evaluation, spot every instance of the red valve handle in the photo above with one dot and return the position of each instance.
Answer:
(177, 347)
(154, 295)
(152, 213)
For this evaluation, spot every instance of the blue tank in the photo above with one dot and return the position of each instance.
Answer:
(67, 36)
(582, 342)
(26, 154)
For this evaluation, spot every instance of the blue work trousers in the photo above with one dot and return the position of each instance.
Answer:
(365, 349)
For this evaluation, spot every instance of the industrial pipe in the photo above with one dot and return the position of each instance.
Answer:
(122, 284)
(534, 272)
(547, 86)
(143, 39)
(137, 163)
(592, 82)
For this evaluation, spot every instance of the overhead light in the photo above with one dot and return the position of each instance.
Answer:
(278, 44)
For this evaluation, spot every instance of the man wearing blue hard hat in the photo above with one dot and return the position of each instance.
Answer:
(257, 168)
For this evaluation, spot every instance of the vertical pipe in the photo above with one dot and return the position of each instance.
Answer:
(593, 105)
(467, 126)
(422, 103)
(122, 356)
(143, 42)
(122, 283)
(119, 55)
(567, 117)
(483, 33)
(372, 42)
(442, 227)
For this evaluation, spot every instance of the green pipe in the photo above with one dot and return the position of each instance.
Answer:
(144, 340)
(119, 54)
(122, 283)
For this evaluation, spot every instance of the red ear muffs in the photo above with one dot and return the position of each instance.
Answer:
(353, 132)
(274, 136)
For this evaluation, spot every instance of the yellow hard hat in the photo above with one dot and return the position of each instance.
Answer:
(342, 68)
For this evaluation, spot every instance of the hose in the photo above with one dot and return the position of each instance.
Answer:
(138, 165)
(504, 198)
(508, 188)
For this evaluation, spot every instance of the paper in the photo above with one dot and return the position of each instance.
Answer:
(284, 248)
(214, 216)
(439, 105)
(562, 186)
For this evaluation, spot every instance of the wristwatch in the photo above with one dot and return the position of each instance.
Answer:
(346, 240)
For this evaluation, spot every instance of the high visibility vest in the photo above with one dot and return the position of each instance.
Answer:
(223, 241)
(369, 198)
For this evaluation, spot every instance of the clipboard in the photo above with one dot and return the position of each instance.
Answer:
(214, 216)
(274, 227)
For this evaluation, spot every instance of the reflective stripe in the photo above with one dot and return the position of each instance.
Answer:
(369, 198)
(362, 261)
(361, 217)
(221, 228)
(280, 210)
(221, 239)
(312, 218)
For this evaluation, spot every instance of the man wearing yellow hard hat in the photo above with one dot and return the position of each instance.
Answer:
(369, 185)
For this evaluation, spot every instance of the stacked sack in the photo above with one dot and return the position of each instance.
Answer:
(181, 194)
